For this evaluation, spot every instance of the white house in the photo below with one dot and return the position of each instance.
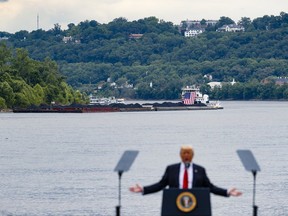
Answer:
(67, 39)
(4, 38)
(231, 28)
(193, 32)
(214, 84)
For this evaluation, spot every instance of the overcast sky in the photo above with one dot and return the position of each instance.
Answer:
(16, 15)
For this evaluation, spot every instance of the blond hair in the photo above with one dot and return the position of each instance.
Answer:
(187, 147)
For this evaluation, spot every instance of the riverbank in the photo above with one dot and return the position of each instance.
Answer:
(6, 110)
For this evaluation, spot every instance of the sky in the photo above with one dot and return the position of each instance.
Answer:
(16, 15)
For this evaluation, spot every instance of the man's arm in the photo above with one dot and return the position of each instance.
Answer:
(151, 188)
(220, 191)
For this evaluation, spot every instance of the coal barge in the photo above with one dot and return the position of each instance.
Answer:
(192, 99)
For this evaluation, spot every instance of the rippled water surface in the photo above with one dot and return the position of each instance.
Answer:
(62, 164)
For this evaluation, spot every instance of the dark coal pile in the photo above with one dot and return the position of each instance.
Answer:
(121, 105)
(171, 104)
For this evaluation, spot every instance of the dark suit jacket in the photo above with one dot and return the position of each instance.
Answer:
(171, 179)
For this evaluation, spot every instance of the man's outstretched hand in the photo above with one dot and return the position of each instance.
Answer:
(136, 189)
(234, 192)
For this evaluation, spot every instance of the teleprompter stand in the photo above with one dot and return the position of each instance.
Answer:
(250, 165)
(123, 165)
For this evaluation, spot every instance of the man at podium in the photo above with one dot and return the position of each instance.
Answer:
(185, 175)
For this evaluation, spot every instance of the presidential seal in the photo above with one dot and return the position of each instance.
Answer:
(186, 202)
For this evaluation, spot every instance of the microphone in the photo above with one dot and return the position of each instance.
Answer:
(187, 165)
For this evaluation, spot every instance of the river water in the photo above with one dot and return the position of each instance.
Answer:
(62, 164)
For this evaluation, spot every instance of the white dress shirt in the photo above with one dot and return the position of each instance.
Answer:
(190, 175)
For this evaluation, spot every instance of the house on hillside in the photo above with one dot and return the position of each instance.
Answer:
(135, 36)
(197, 23)
(231, 28)
(193, 32)
(215, 84)
(211, 22)
(70, 39)
(192, 28)
(190, 24)
(281, 80)
(4, 38)
(219, 84)
(67, 39)
(278, 80)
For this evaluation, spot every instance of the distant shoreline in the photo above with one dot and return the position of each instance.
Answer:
(6, 110)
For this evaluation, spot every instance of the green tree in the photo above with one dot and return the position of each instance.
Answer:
(21, 100)
(39, 94)
(246, 23)
(56, 30)
(2, 103)
(224, 21)
(6, 92)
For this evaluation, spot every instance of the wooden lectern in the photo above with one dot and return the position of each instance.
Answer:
(186, 202)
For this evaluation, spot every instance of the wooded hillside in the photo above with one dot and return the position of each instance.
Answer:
(91, 53)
